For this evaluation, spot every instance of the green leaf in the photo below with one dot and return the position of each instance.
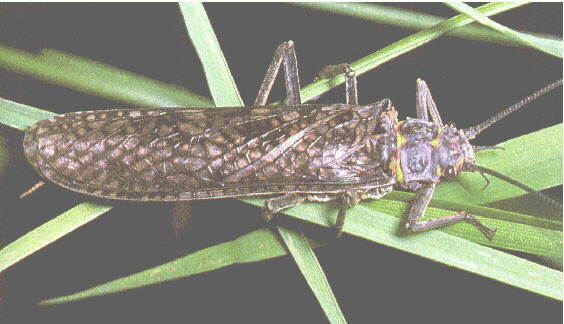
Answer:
(403, 18)
(383, 223)
(252, 247)
(516, 232)
(534, 159)
(303, 254)
(224, 92)
(220, 81)
(400, 47)
(97, 79)
(382, 228)
(20, 116)
(549, 46)
(363, 221)
(49, 232)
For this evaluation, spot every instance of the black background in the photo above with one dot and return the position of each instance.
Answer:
(470, 81)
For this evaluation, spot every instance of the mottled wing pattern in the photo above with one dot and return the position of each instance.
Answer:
(190, 153)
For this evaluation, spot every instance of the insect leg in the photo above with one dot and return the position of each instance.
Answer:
(350, 80)
(274, 205)
(350, 86)
(424, 102)
(420, 205)
(285, 52)
(349, 199)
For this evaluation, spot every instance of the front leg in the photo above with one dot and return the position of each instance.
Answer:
(414, 224)
(424, 103)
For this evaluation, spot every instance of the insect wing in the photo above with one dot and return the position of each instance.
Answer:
(189, 153)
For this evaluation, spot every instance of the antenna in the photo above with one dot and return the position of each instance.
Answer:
(481, 169)
(473, 131)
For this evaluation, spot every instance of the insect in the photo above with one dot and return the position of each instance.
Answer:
(295, 152)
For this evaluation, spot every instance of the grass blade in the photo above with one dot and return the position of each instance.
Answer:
(220, 81)
(549, 46)
(400, 47)
(461, 253)
(224, 92)
(516, 232)
(303, 254)
(49, 232)
(403, 18)
(255, 246)
(97, 79)
(20, 116)
(362, 221)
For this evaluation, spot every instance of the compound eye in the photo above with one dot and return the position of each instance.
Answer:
(450, 173)
(451, 124)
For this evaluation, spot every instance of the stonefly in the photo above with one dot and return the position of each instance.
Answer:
(295, 152)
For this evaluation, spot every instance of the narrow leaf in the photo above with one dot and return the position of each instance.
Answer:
(20, 116)
(548, 46)
(400, 47)
(255, 246)
(49, 232)
(363, 222)
(404, 18)
(366, 222)
(97, 79)
(306, 260)
(225, 92)
(220, 81)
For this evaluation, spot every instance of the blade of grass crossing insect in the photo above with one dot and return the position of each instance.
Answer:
(516, 231)
(262, 244)
(221, 84)
(306, 261)
(548, 46)
(438, 246)
(380, 227)
(224, 92)
(49, 232)
(402, 46)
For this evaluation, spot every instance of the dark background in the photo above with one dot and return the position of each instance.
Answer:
(470, 82)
